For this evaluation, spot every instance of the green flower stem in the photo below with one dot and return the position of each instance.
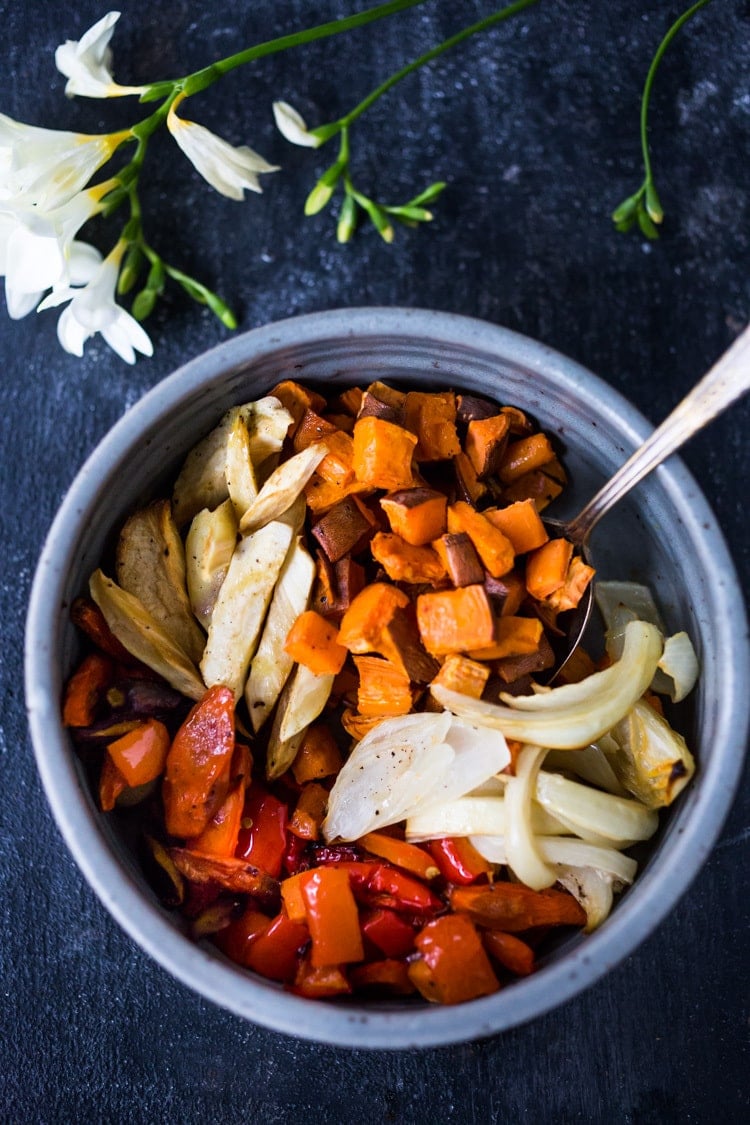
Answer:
(201, 79)
(428, 56)
(646, 96)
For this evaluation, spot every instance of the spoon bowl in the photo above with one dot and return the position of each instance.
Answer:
(726, 382)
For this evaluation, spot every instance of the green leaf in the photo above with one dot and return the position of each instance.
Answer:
(624, 225)
(429, 194)
(143, 304)
(413, 214)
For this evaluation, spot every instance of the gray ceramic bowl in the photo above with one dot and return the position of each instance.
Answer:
(664, 535)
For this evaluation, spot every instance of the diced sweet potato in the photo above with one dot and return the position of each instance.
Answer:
(368, 616)
(547, 568)
(313, 641)
(459, 673)
(486, 439)
(297, 399)
(404, 563)
(521, 524)
(418, 515)
(383, 454)
(345, 529)
(432, 417)
(470, 487)
(494, 549)
(455, 620)
(383, 688)
(460, 559)
(523, 455)
(514, 636)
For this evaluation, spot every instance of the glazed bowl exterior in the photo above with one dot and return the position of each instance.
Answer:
(664, 534)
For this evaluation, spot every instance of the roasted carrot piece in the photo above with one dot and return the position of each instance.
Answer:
(512, 953)
(494, 549)
(512, 907)
(400, 853)
(383, 454)
(459, 673)
(313, 641)
(141, 753)
(514, 636)
(521, 524)
(470, 487)
(404, 563)
(332, 917)
(363, 624)
(318, 756)
(455, 620)
(219, 837)
(486, 439)
(198, 764)
(453, 966)
(85, 689)
(432, 417)
(524, 455)
(547, 568)
(383, 688)
(418, 515)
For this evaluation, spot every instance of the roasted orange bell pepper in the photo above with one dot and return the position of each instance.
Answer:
(321, 981)
(220, 836)
(332, 917)
(141, 753)
(453, 966)
(400, 853)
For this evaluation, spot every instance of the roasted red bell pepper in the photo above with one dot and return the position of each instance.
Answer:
(237, 938)
(458, 860)
(262, 837)
(275, 953)
(453, 965)
(390, 934)
(389, 887)
(199, 763)
(383, 976)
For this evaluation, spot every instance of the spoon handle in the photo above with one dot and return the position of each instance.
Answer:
(724, 383)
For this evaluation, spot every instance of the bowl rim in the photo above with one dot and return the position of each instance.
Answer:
(263, 1002)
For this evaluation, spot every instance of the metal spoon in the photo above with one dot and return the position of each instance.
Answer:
(724, 383)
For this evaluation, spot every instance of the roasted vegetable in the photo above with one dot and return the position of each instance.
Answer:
(209, 547)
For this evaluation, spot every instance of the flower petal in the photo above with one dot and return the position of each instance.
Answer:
(229, 169)
(291, 125)
(87, 62)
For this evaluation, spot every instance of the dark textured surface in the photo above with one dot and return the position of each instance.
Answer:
(535, 127)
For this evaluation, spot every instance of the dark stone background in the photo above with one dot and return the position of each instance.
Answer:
(535, 127)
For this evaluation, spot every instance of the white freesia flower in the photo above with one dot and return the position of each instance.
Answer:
(227, 169)
(87, 62)
(38, 249)
(291, 125)
(47, 167)
(93, 309)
